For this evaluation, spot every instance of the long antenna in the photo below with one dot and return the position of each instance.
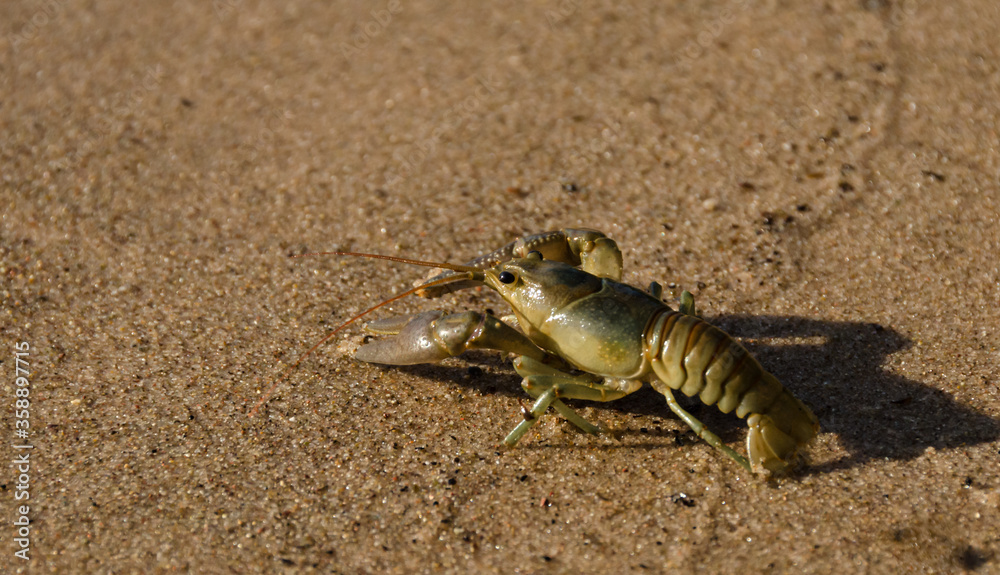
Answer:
(445, 280)
(443, 265)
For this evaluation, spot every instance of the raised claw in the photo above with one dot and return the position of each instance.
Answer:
(588, 249)
(432, 336)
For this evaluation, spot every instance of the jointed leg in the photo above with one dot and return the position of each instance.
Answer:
(548, 385)
(547, 398)
(655, 290)
(687, 304)
(699, 428)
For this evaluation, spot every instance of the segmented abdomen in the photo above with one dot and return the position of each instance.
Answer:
(689, 354)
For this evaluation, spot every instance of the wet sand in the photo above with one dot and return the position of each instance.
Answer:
(823, 176)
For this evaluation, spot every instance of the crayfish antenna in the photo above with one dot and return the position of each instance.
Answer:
(472, 274)
(444, 265)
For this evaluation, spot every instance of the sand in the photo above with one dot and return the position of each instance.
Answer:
(823, 176)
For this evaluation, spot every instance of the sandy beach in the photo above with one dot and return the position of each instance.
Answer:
(824, 177)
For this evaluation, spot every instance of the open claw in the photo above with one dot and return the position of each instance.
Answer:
(415, 341)
(432, 336)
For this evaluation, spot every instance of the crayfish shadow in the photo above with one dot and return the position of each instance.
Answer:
(837, 369)
(483, 372)
(490, 374)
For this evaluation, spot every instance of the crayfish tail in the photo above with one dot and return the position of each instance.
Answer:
(772, 451)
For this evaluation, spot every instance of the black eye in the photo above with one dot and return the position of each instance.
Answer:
(506, 278)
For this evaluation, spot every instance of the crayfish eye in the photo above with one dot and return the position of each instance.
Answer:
(506, 278)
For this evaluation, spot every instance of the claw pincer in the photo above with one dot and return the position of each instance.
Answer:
(432, 336)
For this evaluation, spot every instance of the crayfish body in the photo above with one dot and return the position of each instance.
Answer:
(585, 335)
